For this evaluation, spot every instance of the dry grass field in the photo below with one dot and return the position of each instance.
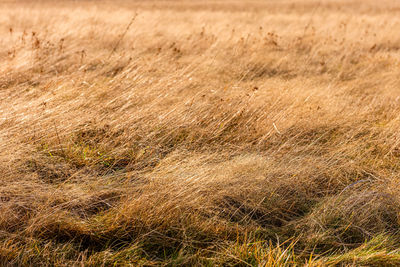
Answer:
(184, 132)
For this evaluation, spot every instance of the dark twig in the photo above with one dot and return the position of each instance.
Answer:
(122, 35)
(59, 141)
(311, 19)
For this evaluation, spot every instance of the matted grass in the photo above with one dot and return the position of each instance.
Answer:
(199, 133)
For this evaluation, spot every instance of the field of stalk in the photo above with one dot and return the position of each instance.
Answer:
(206, 133)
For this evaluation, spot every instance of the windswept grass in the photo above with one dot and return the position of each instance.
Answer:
(228, 133)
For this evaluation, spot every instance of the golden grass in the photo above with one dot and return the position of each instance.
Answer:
(205, 133)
